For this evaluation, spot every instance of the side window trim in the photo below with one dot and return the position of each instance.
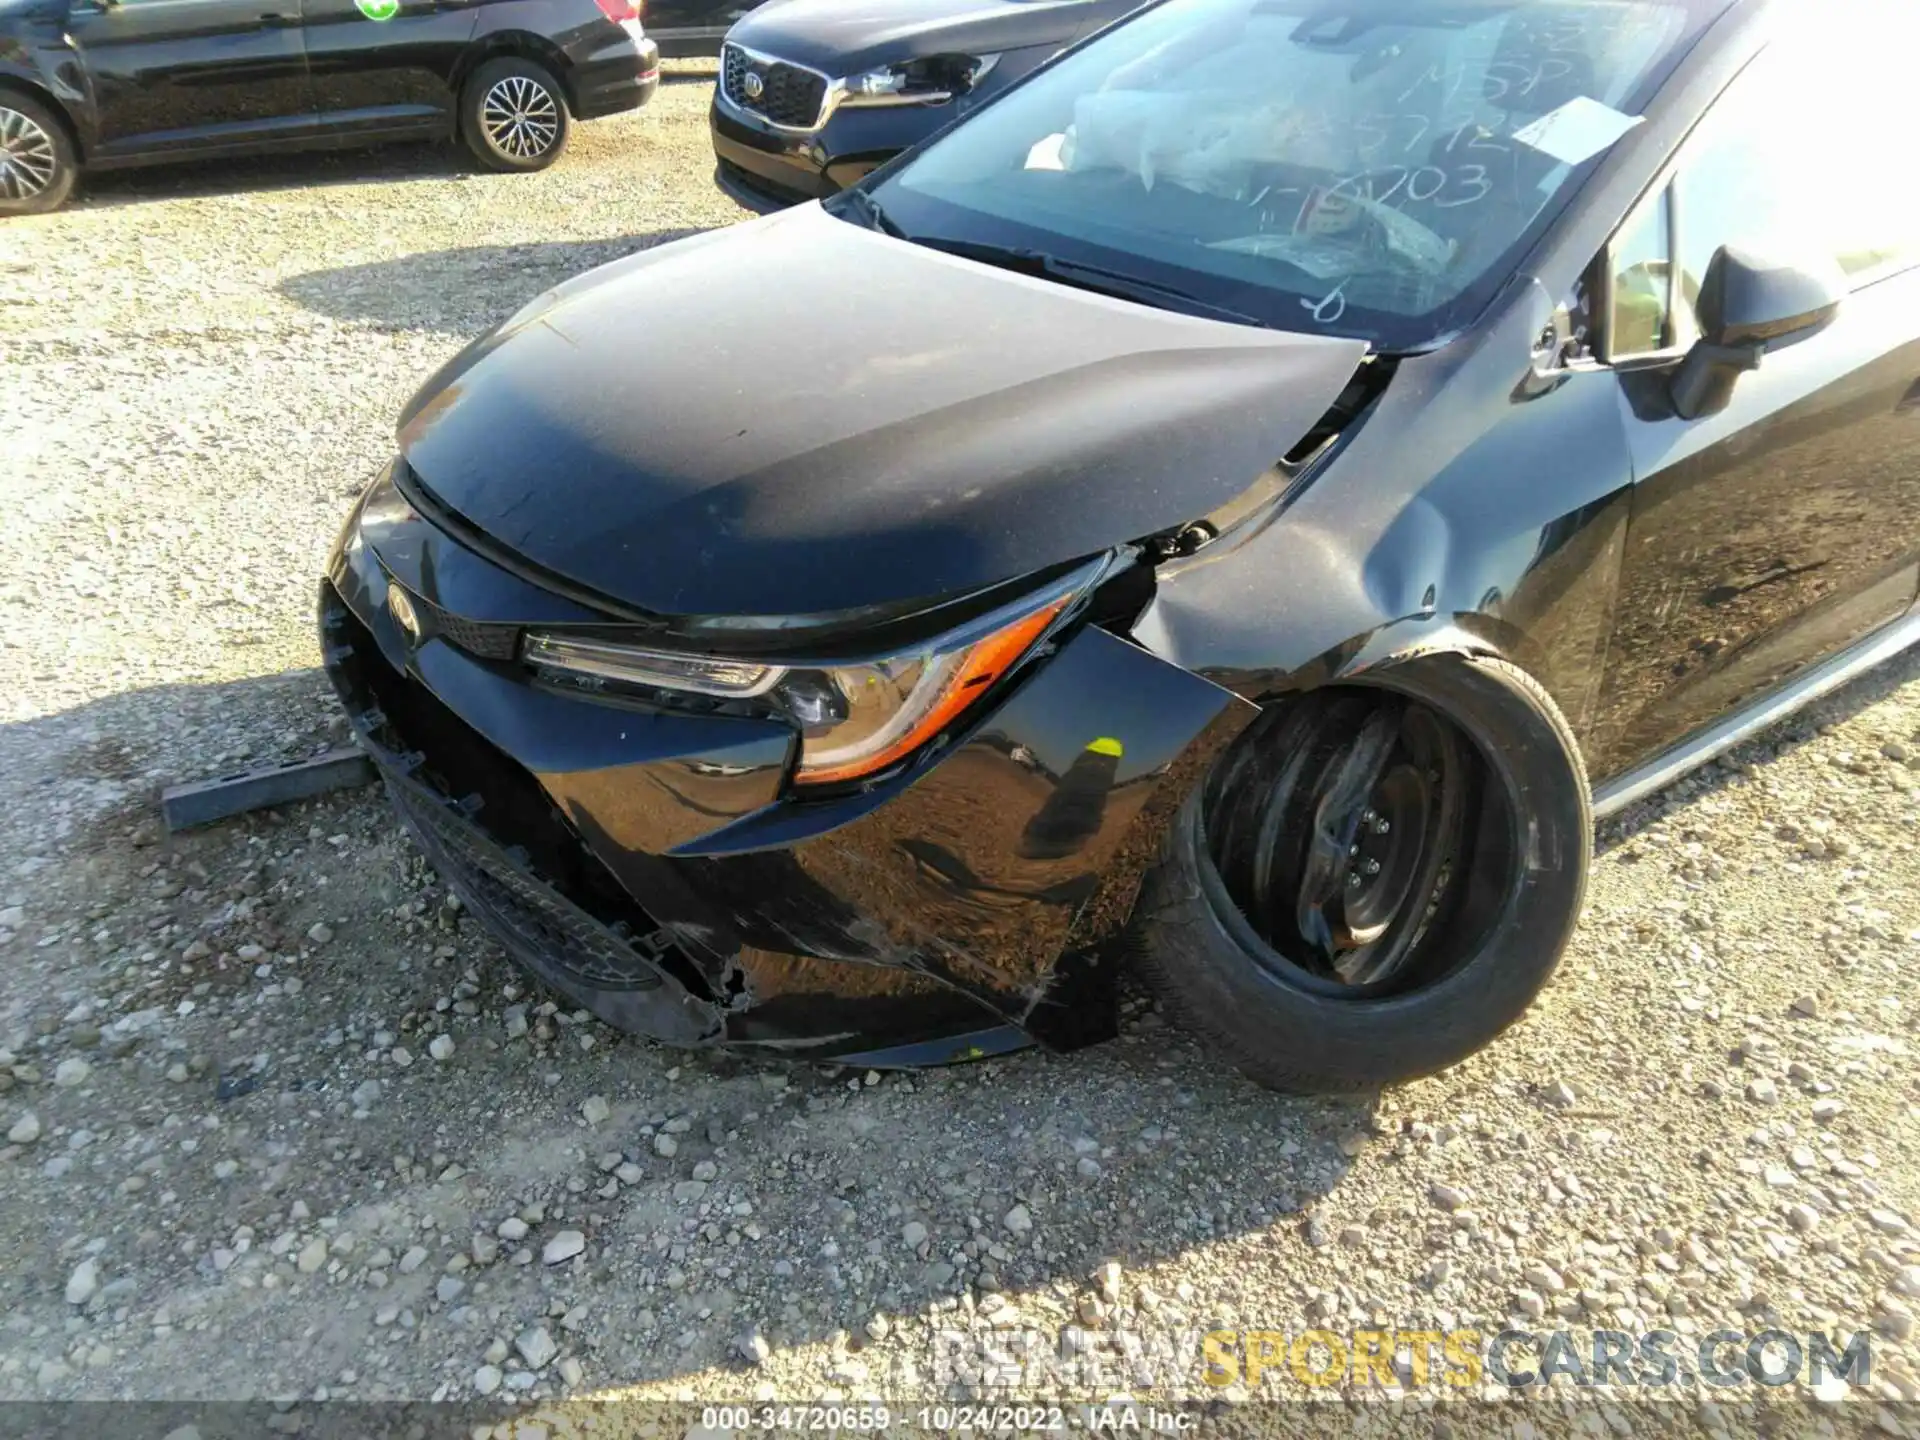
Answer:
(1681, 169)
(1664, 189)
(1684, 325)
(1666, 180)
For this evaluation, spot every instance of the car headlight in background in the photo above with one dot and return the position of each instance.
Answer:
(930, 80)
(857, 718)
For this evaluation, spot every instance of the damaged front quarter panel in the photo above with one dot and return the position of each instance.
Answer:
(1424, 522)
(999, 874)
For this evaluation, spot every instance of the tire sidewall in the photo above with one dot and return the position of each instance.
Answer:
(1298, 1039)
(67, 160)
(473, 131)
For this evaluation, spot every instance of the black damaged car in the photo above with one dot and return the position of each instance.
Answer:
(1242, 503)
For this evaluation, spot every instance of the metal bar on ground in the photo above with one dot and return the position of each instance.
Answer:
(204, 801)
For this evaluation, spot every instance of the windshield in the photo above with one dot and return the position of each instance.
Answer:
(1371, 168)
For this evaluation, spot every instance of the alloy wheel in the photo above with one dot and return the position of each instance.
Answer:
(28, 160)
(1344, 828)
(521, 117)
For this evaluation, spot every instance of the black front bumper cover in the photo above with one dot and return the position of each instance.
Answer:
(653, 864)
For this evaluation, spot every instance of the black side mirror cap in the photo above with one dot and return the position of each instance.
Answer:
(1748, 299)
(1748, 305)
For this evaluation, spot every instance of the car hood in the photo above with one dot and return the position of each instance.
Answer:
(798, 416)
(842, 39)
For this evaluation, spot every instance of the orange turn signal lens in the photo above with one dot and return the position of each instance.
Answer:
(938, 689)
(856, 719)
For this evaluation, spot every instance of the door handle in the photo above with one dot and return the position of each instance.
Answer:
(275, 18)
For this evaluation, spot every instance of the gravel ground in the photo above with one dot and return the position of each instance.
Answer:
(280, 1124)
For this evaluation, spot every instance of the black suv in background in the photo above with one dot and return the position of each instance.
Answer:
(99, 84)
(814, 94)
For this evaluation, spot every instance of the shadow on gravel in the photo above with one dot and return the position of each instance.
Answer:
(1027, 1172)
(294, 170)
(93, 774)
(457, 291)
(1018, 1176)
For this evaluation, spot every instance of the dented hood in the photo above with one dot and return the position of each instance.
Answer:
(796, 416)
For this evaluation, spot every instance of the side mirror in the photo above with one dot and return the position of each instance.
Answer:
(1749, 305)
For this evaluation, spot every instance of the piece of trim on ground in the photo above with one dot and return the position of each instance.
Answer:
(204, 801)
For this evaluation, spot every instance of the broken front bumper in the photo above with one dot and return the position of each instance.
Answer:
(655, 865)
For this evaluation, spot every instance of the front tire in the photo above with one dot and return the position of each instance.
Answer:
(1375, 880)
(513, 115)
(38, 166)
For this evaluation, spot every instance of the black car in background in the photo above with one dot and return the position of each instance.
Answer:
(693, 27)
(99, 84)
(813, 94)
(1248, 498)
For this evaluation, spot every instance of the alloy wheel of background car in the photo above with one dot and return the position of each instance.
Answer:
(1375, 880)
(520, 117)
(514, 115)
(37, 167)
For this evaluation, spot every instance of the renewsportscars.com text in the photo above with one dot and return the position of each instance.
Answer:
(1201, 1362)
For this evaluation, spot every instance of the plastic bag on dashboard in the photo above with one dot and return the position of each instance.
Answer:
(1211, 144)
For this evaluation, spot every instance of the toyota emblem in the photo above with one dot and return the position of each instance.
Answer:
(753, 86)
(403, 613)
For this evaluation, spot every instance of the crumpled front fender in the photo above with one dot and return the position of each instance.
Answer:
(1022, 849)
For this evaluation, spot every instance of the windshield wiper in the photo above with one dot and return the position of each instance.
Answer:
(1027, 261)
(868, 211)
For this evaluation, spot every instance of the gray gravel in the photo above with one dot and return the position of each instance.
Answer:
(279, 1123)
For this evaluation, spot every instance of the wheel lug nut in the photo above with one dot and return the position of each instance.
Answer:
(1353, 882)
(1353, 850)
(1380, 827)
(1373, 867)
(1367, 815)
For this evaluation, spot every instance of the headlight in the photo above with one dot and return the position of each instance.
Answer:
(663, 670)
(930, 80)
(855, 719)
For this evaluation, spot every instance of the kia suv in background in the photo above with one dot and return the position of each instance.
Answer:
(813, 94)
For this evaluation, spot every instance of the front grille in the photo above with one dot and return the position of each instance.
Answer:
(523, 909)
(483, 638)
(427, 754)
(790, 95)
